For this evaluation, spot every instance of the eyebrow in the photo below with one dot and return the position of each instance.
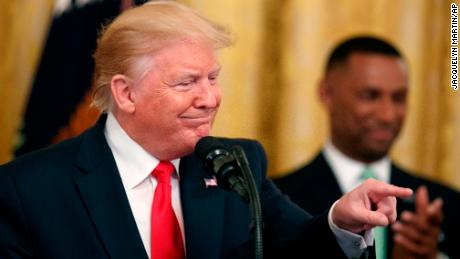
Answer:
(193, 73)
(216, 70)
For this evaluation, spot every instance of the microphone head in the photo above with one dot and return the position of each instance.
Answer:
(222, 163)
(206, 145)
(215, 157)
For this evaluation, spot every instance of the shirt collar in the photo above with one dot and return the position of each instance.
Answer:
(134, 163)
(348, 171)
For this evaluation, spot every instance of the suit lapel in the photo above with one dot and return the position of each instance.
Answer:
(325, 176)
(398, 177)
(203, 210)
(103, 194)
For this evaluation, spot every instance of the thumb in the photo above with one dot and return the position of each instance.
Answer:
(434, 211)
(373, 218)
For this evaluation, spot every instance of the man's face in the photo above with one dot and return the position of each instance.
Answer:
(366, 99)
(176, 102)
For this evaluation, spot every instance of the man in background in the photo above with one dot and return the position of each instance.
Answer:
(364, 90)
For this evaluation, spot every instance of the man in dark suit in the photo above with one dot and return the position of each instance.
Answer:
(132, 186)
(364, 91)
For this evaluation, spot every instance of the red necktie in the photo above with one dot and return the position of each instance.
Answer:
(166, 237)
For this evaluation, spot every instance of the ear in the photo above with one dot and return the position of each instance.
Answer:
(122, 93)
(324, 92)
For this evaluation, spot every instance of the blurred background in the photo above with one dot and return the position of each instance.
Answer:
(269, 78)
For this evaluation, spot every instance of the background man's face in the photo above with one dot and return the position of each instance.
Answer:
(366, 99)
(175, 104)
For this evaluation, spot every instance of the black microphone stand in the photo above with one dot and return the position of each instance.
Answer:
(254, 201)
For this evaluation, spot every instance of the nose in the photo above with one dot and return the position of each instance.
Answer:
(208, 95)
(387, 111)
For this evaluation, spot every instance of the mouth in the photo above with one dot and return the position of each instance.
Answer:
(196, 121)
(383, 135)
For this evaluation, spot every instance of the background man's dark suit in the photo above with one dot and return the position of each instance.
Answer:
(314, 187)
(83, 211)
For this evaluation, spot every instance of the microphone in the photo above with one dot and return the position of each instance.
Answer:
(223, 164)
(233, 172)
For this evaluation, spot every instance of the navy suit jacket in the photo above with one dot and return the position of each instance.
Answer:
(68, 201)
(314, 187)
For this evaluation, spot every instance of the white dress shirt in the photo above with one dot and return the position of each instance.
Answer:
(135, 166)
(348, 174)
(348, 171)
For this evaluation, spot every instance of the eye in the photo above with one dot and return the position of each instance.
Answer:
(369, 95)
(400, 97)
(187, 83)
(184, 85)
(213, 79)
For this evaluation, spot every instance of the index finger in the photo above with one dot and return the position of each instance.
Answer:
(380, 190)
(421, 201)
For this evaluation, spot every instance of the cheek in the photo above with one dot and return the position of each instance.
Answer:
(356, 122)
(401, 114)
(361, 113)
(172, 103)
(217, 92)
(352, 123)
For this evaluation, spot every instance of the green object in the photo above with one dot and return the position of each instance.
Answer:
(367, 173)
(380, 233)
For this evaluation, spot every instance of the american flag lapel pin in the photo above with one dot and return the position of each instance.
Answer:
(210, 182)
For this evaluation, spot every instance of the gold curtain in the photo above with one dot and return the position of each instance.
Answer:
(270, 76)
(23, 26)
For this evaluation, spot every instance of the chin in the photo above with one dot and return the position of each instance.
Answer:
(203, 131)
(193, 139)
(374, 154)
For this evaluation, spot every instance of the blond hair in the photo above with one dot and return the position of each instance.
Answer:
(137, 33)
